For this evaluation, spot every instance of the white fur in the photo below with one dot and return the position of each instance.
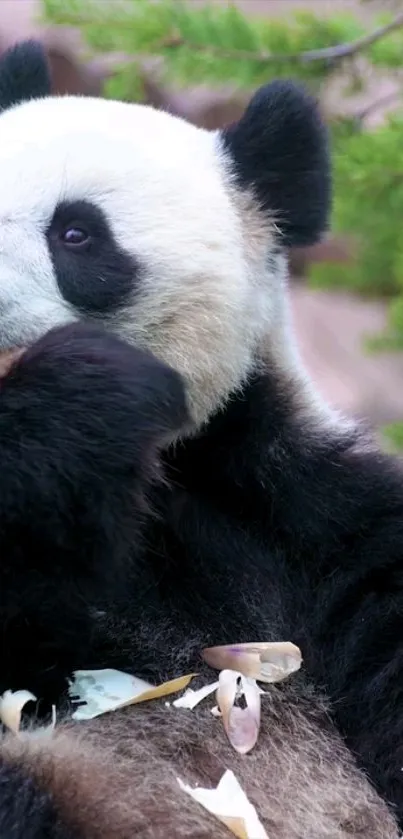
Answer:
(207, 299)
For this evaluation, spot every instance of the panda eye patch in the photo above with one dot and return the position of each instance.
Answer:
(75, 236)
(92, 270)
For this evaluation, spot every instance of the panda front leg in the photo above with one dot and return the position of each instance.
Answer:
(82, 418)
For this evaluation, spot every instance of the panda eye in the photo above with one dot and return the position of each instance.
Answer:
(74, 237)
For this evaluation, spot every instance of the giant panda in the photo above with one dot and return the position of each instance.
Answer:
(170, 479)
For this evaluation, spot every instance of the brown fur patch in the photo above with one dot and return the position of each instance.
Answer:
(115, 778)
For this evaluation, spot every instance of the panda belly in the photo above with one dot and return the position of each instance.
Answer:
(116, 777)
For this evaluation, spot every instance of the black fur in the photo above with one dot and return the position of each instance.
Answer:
(280, 150)
(298, 536)
(97, 277)
(82, 416)
(24, 74)
(312, 529)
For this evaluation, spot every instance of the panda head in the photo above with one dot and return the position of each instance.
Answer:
(171, 235)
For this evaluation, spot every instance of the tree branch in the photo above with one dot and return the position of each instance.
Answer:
(347, 50)
(329, 54)
(382, 102)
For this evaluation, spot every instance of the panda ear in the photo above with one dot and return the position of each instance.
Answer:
(279, 149)
(24, 74)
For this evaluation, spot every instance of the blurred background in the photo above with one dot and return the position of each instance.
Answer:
(202, 59)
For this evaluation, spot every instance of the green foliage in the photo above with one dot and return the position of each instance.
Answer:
(393, 434)
(216, 44)
(368, 202)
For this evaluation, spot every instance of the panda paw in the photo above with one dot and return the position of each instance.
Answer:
(92, 371)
